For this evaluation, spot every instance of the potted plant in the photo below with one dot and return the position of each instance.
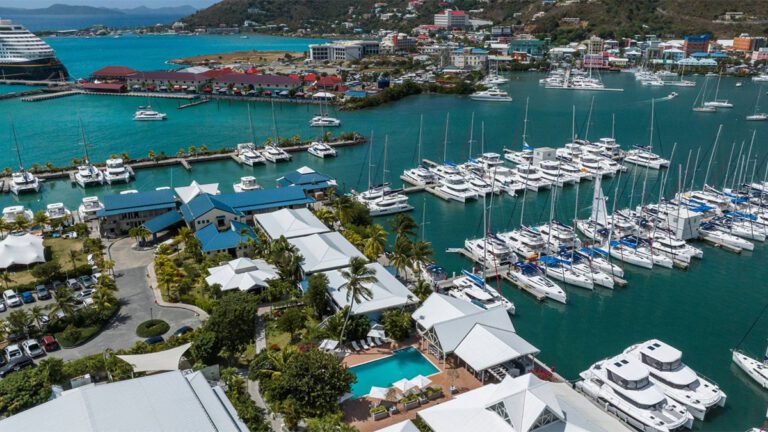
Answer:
(410, 402)
(379, 412)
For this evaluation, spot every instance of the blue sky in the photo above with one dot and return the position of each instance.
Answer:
(122, 4)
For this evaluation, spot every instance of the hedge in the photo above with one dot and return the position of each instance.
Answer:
(151, 328)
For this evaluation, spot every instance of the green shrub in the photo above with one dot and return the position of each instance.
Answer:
(74, 336)
(151, 328)
(377, 409)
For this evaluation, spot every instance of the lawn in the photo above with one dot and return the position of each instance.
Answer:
(277, 337)
(56, 249)
(85, 334)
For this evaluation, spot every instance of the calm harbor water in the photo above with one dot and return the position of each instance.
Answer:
(704, 311)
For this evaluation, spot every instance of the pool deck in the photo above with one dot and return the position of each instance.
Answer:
(356, 410)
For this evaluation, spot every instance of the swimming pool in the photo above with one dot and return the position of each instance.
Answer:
(405, 363)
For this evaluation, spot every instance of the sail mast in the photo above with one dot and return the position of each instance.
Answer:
(445, 137)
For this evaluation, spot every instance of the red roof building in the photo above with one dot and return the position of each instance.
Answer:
(310, 77)
(327, 83)
(120, 73)
(105, 87)
(266, 81)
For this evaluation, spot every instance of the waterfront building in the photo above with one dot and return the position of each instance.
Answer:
(121, 212)
(113, 74)
(188, 193)
(313, 183)
(258, 81)
(761, 54)
(595, 56)
(386, 293)
(696, 44)
(530, 46)
(170, 401)
(745, 43)
(290, 223)
(452, 19)
(167, 80)
(324, 252)
(469, 58)
(234, 239)
(343, 50)
(206, 209)
(242, 274)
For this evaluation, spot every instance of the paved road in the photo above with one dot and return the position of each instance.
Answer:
(138, 305)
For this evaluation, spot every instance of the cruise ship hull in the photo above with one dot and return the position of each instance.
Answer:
(48, 69)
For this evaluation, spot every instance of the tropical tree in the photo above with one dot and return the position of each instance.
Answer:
(5, 227)
(327, 217)
(152, 155)
(203, 149)
(63, 303)
(374, 244)
(21, 223)
(104, 301)
(192, 245)
(421, 254)
(317, 294)
(37, 313)
(107, 266)
(73, 254)
(6, 278)
(422, 289)
(402, 257)
(403, 226)
(19, 322)
(181, 152)
(358, 275)
(40, 219)
(272, 364)
(193, 150)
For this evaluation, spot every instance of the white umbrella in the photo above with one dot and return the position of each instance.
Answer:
(420, 381)
(403, 385)
(378, 392)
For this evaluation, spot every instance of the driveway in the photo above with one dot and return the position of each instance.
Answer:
(137, 304)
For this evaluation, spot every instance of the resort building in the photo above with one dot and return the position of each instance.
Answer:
(343, 50)
(235, 239)
(170, 401)
(386, 293)
(313, 183)
(258, 81)
(242, 274)
(324, 252)
(469, 58)
(290, 223)
(452, 19)
(113, 74)
(167, 80)
(398, 43)
(187, 193)
(521, 404)
(483, 340)
(122, 212)
(696, 44)
(531, 46)
(206, 209)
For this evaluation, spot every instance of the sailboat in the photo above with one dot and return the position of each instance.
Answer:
(526, 155)
(272, 152)
(718, 103)
(323, 119)
(22, 181)
(386, 201)
(758, 116)
(87, 174)
(698, 103)
(644, 156)
(421, 175)
(247, 152)
(755, 368)
(596, 227)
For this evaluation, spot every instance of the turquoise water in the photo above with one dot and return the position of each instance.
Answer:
(406, 363)
(704, 311)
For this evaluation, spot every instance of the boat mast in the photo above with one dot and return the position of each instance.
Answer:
(525, 123)
(695, 168)
(482, 137)
(471, 134)
(749, 154)
(384, 170)
(370, 161)
(573, 123)
(418, 147)
(728, 167)
(250, 124)
(650, 136)
(85, 142)
(18, 152)
(445, 137)
(274, 123)
(714, 149)
(589, 118)
(613, 125)
(738, 164)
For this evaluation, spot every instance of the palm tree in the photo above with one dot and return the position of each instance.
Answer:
(422, 289)
(49, 166)
(358, 275)
(73, 258)
(374, 244)
(37, 313)
(63, 302)
(203, 148)
(40, 219)
(6, 278)
(181, 152)
(4, 227)
(342, 206)
(151, 155)
(278, 360)
(107, 266)
(326, 216)
(193, 150)
(104, 300)
(21, 223)
(404, 226)
(19, 322)
(402, 257)
(421, 254)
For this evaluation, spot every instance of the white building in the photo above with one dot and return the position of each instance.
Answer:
(169, 402)
(342, 50)
(452, 19)
(469, 58)
(242, 274)
(323, 252)
(290, 223)
(397, 42)
(188, 193)
(386, 293)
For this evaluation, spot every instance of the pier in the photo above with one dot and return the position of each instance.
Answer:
(195, 103)
(54, 95)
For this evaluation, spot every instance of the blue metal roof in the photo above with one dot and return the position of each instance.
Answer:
(136, 202)
(262, 199)
(165, 220)
(297, 178)
(204, 203)
(212, 239)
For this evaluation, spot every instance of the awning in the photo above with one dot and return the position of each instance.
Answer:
(167, 360)
(162, 222)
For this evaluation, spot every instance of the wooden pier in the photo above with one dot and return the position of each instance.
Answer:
(195, 103)
(48, 96)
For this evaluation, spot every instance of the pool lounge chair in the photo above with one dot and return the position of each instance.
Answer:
(371, 342)
(355, 347)
(380, 341)
(363, 344)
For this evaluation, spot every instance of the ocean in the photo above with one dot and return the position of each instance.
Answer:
(704, 311)
(75, 22)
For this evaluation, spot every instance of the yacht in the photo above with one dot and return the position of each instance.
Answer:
(321, 150)
(611, 149)
(88, 209)
(115, 171)
(531, 276)
(492, 94)
(600, 259)
(582, 265)
(390, 203)
(644, 157)
(480, 185)
(626, 253)
(718, 103)
(87, 175)
(757, 117)
(23, 181)
(551, 171)
(570, 152)
(490, 252)
(711, 232)
(530, 176)
(490, 160)
(472, 288)
(247, 183)
(763, 77)
(129, 191)
(247, 154)
(644, 249)
(757, 370)
(558, 235)
(11, 213)
(505, 179)
(445, 170)
(275, 154)
(493, 79)
(420, 176)
(519, 157)
(595, 165)
(57, 211)
(24, 56)
(373, 193)
(740, 228)
(456, 188)
(671, 246)
(524, 241)
(709, 198)
(621, 385)
(324, 121)
(561, 270)
(678, 381)
(147, 114)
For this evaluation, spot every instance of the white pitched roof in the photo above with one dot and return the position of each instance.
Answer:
(386, 293)
(242, 273)
(169, 402)
(403, 426)
(21, 250)
(485, 346)
(326, 251)
(440, 307)
(290, 223)
(188, 193)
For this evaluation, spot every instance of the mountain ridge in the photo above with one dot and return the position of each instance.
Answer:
(59, 9)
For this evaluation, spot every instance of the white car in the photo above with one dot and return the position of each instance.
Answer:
(12, 352)
(32, 348)
(11, 299)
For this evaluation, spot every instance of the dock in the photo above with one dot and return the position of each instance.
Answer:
(185, 164)
(195, 103)
(48, 96)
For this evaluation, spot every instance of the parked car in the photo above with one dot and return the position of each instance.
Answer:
(3, 361)
(57, 284)
(42, 292)
(15, 365)
(13, 351)
(32, 348)
(154, 340)
(11, 299)
(49, 343)
(90, 259)
(3, 307)
(83, 295)
(27, 297)
(73, 284)
(182, 331)
(85, 281)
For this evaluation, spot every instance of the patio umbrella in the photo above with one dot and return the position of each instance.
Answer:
(420, 381)
(378, 393)
(403, 385)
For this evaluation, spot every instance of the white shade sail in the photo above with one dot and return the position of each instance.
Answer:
(167, 360)
(21, 249)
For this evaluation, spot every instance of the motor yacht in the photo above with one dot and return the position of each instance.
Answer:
(757, 370)
(115, 171)
(454, 187)
(530, 176)
(531, 276)
(490, 252)
(642, 156)
(561, 270)
(11, 213)
(321, 150)
(550, 171)
(420, 176)
(678, 381)
(622, 386)
(89, 207)
(472, 288)
(524, 241)
(275, 154)
(247, 183)
(519, 157)
(87, 175)
(57, 211)
(710, 231)
(492, 94)
(147, 114)
(389, 203)
(558, 235)
(324, 121)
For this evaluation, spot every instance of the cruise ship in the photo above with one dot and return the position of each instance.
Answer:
(24, 56)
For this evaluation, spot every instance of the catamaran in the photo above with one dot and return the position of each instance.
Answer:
(489, 251)
(89, 207)
(472, 288)
(530, 176)
(321, 150)
(22, 181)
(87, 175)
(58, 211)
(247, 183)
(115, 171)
(551, 171)
(644, 156)
(667, 244)
(582, 265)
(531, 276)
(524, 241)
(11, 213)
(382, 200)
(275, 154)
(558, 235)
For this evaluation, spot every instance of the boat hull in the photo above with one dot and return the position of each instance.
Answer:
(50, 69)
